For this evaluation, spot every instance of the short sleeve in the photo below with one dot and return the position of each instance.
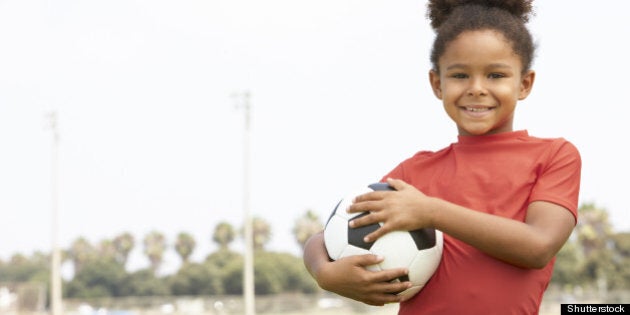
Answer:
(559, 180)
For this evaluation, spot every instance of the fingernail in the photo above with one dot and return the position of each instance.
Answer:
(351, 224)
(366, 239)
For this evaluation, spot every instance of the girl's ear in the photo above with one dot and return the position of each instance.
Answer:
(527, 83)
(436, 83)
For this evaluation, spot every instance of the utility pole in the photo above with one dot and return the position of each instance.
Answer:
(55, 275)
(242, 100)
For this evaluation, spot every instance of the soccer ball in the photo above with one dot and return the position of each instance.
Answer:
(420, 251)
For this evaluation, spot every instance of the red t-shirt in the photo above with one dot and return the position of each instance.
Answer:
(500, 174)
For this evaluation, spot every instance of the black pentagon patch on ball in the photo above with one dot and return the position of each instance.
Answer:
(423, 238)
(356, 235)
(381, 187)
(404, 278)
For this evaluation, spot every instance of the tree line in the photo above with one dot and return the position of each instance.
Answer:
(595, 255)
(100, 270)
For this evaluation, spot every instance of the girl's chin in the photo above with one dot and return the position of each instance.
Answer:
(478, 131)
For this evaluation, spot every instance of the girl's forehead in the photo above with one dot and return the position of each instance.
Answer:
(481, 46)
(482, 35)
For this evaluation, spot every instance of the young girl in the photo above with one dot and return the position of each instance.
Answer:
(506, 201)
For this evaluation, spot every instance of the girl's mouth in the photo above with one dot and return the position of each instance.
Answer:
(478, 109)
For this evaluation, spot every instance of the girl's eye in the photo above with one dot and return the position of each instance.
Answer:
(495, 75)
(459, 76)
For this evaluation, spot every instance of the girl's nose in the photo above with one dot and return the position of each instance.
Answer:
(477, 88)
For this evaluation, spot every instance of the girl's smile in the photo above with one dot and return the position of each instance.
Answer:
(477, 111)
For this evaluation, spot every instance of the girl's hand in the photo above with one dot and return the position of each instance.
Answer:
(404, 209)
(349, 277)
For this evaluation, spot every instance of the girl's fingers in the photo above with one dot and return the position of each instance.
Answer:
(362, 221)
(375, 235)
(390, 274)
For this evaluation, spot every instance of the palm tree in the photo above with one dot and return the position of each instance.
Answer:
(261, 231)
(594, 234)
(123, 245)
(184, 246)
(593, 229)
(223, 235)
(306, 226)
(154, 247)
(80, 252)
(106, 250)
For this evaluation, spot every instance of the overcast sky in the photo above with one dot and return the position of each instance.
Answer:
(150, 138)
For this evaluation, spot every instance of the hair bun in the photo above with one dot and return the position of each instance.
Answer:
(439, 10)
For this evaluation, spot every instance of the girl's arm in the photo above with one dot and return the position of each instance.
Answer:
(529, 244)
(348, 276)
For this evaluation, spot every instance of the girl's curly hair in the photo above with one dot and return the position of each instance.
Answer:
(449, 18)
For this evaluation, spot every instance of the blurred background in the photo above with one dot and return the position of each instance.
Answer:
(122, 140)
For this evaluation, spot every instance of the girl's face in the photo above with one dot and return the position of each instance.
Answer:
(480, 80)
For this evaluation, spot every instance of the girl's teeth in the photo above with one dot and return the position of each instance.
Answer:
(476, 109)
